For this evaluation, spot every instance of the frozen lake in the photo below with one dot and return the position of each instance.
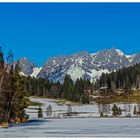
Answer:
(73, 127)
(92, 109)
(84, 127)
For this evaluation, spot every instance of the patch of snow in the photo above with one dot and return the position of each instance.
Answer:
(95, 73)
(130, 57)
(80, 61)
(36, 70)
(119, 52)
(22, 74)
(75, 72)
(54, 61)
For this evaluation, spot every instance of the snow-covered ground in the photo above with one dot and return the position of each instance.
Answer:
(57, 109)
(85, 110)
(74, 127)
(84, 127)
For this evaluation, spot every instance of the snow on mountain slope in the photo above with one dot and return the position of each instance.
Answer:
(26, 66)
(22, 74)
(85, 65)
(75, 72)
(36, 70)
(96, 74)
(130, 57)
(119, 52)
(80, 65)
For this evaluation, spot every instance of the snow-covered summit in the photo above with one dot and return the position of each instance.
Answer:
(80, 65)
(119, 52)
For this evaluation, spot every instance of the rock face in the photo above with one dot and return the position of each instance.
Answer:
(83, 64)
(28, 68)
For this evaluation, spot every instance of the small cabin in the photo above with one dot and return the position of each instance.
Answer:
(103, 90)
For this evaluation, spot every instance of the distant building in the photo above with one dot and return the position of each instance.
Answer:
(103, 90)
(120, 92)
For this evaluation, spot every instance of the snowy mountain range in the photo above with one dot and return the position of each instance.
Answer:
(82, 64)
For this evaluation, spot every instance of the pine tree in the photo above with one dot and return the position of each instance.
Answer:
(119, 111)
(1, 60)
(20, 99)
(69, 110)
(68, 88)
(135, 110)
(77, 91)
(85, 98)
(13, 96)
(6, 84)
(49, 110)
(40, 114)
(114, 110)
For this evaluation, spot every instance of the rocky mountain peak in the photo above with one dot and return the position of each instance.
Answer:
(81, 64)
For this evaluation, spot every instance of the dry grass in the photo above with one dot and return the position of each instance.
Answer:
(33, 103)
(58, 100)
(134, 97)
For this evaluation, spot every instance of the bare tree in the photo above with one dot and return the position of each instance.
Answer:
(138, 108)
(125, 109)
(129, 110)
(49, 111)
(101, 110)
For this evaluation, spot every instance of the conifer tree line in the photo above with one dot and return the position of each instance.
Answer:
(126, 79)
(74, 91)
(13, 94)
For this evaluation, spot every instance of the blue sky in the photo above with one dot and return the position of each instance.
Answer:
(42, 30)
